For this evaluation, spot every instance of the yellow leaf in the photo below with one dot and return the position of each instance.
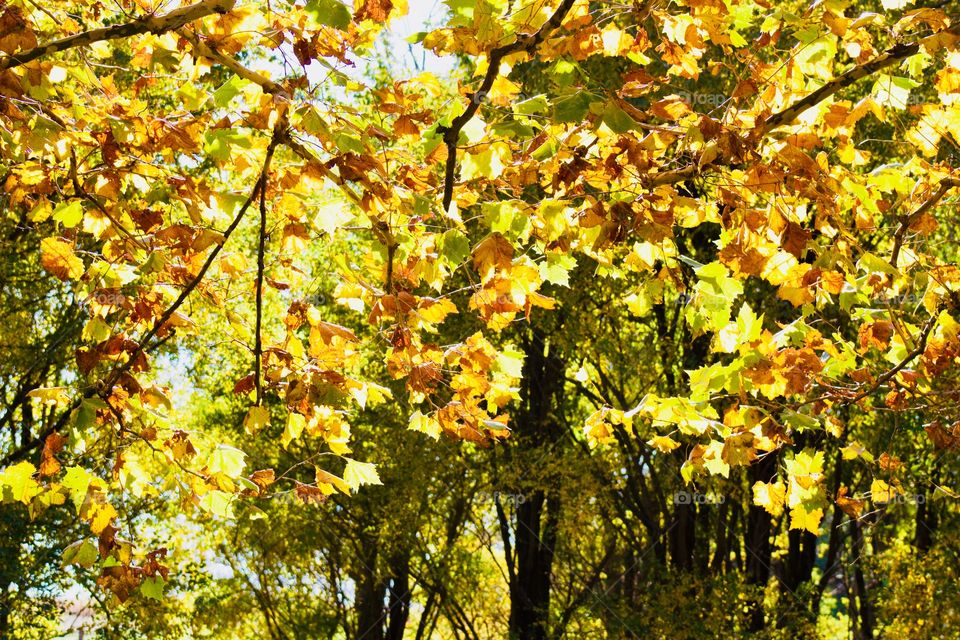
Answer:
(803, 518)
(435, 311)
(58, 258)
(425, 424)
(770, 496)
(664, 444)
(100, 514)
(357, 474)
(326, 482)
(882, 492)
(18, 480)
(257, 418)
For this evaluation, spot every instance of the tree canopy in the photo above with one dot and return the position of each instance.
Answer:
(559, 319)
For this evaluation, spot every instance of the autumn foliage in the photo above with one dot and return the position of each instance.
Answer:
(631, 319)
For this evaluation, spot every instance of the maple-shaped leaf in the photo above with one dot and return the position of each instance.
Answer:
(492, 253)
(803, 517)
(58, 258)
(375, 10)
(49, 465)
(17, 482)
(357, 474)
(770, 496)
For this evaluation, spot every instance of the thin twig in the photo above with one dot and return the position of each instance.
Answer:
(260, 184)
(916, 351)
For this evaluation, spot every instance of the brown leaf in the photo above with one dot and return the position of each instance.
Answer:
(245, 384)
(121, 580)
(263, 478)
(15, 32)
(941, 438)
(493, 252)
(405, 126)
(309, 494)
(849, 506)
(375, 10)
(794, 240)
(53, 445)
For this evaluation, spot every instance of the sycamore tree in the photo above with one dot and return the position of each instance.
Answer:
(685, 244)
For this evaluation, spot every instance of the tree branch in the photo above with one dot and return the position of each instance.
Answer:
(905, 221)
(208, 51)
(257, 189)
(147, 24)
(890, 57)
(919, 349)
(451, 134)
(144, 345)
(258, 339)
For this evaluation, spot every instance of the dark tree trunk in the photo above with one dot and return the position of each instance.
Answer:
(721, 554)
(801, 556)
(926, 521)
(683, 535)
(536, 512)
(757, 543)
(530, 593)
(866, 625)
(371, 591)
(399, 598)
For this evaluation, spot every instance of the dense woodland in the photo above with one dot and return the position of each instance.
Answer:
(556, 319)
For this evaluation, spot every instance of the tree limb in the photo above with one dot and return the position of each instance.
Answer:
(451, 134)
(888, 58)
(258, 339)
(208, 51)
(919, 349)
(905, 221)
(147, 24)
(162, 320)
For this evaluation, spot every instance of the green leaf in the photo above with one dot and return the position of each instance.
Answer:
(77, 481)
(18, 484)
(531, 106)
(82, 552)
(292, 430)
(617, 119)
(556, 268)
(69, 213)
(800, 421)
(454, 246)
(349, 143)
(891, 91)
(218, 503)
(152, 587)
(571, 108)
(510, 362)
(874, 264)
(228, 91)
(329, 12)
(227, 460)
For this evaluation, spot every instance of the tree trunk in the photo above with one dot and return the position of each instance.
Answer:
(536, 512)
(866, 608)
(371, 591)
(530, 593)
(757, 542)
(399, 598)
